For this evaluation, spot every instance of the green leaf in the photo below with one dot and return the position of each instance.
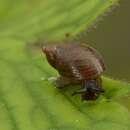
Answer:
(48, 19)
(28, 101)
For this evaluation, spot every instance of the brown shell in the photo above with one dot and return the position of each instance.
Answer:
(77, 61)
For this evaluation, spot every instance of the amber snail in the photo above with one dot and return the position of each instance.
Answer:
(77, 64)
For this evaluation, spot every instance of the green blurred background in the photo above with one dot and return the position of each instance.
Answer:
(112, 38)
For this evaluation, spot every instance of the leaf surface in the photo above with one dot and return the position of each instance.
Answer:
(28, 101)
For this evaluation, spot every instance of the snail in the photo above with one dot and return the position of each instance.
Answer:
(77, 64)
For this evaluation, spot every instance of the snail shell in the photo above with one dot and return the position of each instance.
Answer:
(75, 61)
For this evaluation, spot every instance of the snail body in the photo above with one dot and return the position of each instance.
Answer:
(77, 64)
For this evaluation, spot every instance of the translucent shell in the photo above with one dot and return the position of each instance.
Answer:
(76, 61)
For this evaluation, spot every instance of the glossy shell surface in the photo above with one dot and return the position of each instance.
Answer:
(77, 61)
